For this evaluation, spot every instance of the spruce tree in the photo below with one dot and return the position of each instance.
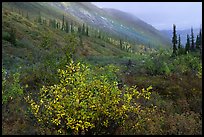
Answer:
(83, 29)
(197, 42)
(174, 39)
(79, 30)
(62, 23)
(87, 31)
(121, 44)
(187, 48)
(72, 27)
(179, 45)
(39, 18)
(57, 25)
(200, 37)
(192, 40)
(67, 27)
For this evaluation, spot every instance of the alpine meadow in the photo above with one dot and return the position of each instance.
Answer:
(73, 68)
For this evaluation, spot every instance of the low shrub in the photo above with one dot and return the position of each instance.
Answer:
(84, 102)
(11, 87)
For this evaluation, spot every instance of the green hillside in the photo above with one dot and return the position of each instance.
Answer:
(123, 25)
(62, 74)
(31, 36)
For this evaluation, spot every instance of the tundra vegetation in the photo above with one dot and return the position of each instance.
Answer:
(62, 77)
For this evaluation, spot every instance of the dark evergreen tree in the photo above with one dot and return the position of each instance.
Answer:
(57, 25)
(54, 24)
(192, 40)
(72, 27)
(39, 18)
(121, 44)
(145, 49)
(63, 23)
(83, 29)
(174, 40)
(87, 31)
(67, 27)
(197, 42)
(79, 30)
(200, 36)
(179, 43)
(187, 48)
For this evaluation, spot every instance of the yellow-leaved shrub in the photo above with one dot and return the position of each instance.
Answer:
(86, 101)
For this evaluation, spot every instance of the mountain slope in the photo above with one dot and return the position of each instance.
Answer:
(116, 22)
(144, 31)
(35, 42)
(31, 36)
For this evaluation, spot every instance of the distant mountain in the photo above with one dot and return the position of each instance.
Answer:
(182, 33)
(115, 22)
(137, 26)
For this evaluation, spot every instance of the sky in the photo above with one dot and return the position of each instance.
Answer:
(162, 15)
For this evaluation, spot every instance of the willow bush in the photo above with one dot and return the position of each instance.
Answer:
(11, 87)
(86, 101)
